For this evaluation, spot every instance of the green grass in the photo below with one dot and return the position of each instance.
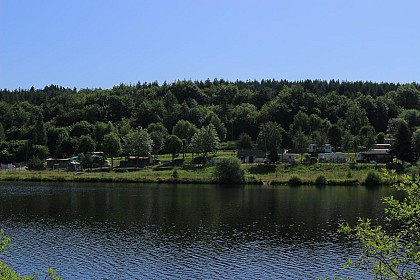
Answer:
(275, 174)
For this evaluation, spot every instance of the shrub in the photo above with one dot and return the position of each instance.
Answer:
(228, 170)
(373, 179)
(175, 175)
(35, 163)
(321, 180)
(295, 181)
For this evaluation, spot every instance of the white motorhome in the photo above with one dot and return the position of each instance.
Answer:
(332, 157)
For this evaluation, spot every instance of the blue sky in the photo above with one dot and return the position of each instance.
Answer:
(102, 43)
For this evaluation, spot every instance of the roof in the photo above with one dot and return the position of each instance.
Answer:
(251, 153)
(376, 152)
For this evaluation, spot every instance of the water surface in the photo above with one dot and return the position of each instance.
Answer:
(147, 231)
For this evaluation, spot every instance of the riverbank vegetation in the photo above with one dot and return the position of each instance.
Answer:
(189, 172)
(392, 251)
(202, 117)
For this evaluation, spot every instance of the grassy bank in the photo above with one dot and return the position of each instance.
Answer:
(274, 174)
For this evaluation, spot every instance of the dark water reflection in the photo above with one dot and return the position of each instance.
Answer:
(100, 231)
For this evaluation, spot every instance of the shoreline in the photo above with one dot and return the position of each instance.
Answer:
(114, 177)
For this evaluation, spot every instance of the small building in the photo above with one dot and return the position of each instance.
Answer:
(136, 161)
(7, 166)
(375, 156)
(382, 147)
(69, 164)
(251, 155)
(380, 153)
(314, 149)
(286, 157)
(332, 157)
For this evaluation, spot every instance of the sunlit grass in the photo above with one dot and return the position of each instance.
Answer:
(189, 173)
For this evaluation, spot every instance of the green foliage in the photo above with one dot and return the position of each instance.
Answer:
(245, 141)
(14, 151)
(205, 141)
(219, 126)
(295, 181)
(232, 107)
(35, 163)
(415, 144)
(2, 135)
(391, 254)
(175, 174)
(373, 179)
(270, 137)
(367, 135)
(4, 241)
(402, 145)
(300, 143)
(335, 135)
(86, 160)
(39, 135)
(228, 171)
(111, 145)
(86, 144)
(380, 138)
(321, 180)
(158, 134)
(173, 145)
(39, 151)
(184, 130)
(137, 143)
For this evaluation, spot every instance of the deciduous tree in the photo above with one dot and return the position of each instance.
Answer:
(269, 139)
(111, 146)
(205, 141)
(391, 254)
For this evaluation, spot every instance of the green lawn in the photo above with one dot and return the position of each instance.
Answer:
(188, 172)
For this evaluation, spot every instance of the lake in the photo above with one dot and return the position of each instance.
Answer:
(149, 231)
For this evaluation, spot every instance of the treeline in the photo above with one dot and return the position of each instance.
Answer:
(349, 115)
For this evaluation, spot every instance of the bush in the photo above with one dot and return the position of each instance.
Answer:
(321, 180)
(228, 170)
(295, 181)
(373, 179)
(175, 175)
(35, 163)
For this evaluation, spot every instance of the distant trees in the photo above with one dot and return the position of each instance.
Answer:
(269, 139)
(402, 145)
(158, 134)
(111, 146)
(244, 141)
(367, 135)
(335, 135)
(185, 131)
(205, 141)
(58, 117)
(415, 143)
(2, 135)
(173, 145)
(137, 143)
(301, 142)
(86, 144)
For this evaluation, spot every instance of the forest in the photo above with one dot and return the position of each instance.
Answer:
(62, 122)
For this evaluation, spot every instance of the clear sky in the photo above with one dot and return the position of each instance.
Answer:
(102, 43)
